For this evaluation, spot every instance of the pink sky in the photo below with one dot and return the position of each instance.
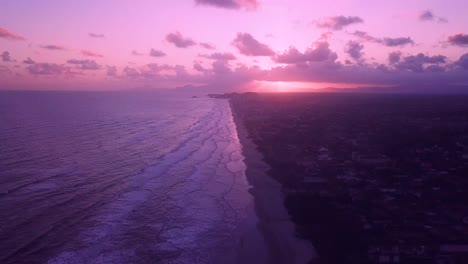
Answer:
(229, 44)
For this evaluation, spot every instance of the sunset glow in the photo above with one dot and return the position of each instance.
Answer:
(108, 45)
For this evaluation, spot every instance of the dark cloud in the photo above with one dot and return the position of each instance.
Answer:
(394, 42)
(7, 34)
(389, 42)
(53, 47)
(354, 50)
(249, 46)
(429, 16)
(157, 53)
(111, 71)
(320, 51)
(219, 56)
(6, 57)
(458, 39)
(28, 61)
(85, 64)
(91, 54)
(394, 57)
(207, 46)
(416, 63)
(180, 41)
(339, 22)
(230, 4)
(47, 69)
(94, 35)
(463, 61)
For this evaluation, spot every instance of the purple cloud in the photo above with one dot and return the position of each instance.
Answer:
(458, 39)
(394, 42)
(136, 53)
(91, 54)
(53, 47)
(319, 52)
(339, 22)
(85, 64)
(463, 61)
(157, 53)
(6, 57)
(180, 41)
(230, 4)
(429, 16)
(7, 34)
(354, 50)
(28, 61)
(207, 46)
(394, 57)
(416, 63)
(47, 69)
(111, 71)
(365, 36)
(249, 46)
(94, 35)
(219, 56)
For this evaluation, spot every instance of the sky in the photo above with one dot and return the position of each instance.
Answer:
(223, 45)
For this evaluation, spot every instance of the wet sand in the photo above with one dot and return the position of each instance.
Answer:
(274, 221)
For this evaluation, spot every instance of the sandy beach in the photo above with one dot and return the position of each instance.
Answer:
(274, 221)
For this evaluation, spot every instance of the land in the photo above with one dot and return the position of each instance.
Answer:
(367, 178)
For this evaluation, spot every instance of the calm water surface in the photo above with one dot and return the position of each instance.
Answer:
(121, 178)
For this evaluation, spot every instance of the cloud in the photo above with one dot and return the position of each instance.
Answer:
(157, 53)
(463, 61)
(429, 16)
(7, 34)
(6, 57)
(47, 69)
(394, 57)
(180, 41)
(136, 53)
(28, 61)
(91, 54)
(53, 47)
(458, 39)
(354, 50)
(394, 42)
(85, 64)
(339, 22)
(230, 4)
(416, 63)
(320, 51)
(207, 46)
(249, 46)
(389, 42)
(219, 56)
(94, 35)
(111, 71)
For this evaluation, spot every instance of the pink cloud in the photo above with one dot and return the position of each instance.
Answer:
(91, 54)
(157, 53)
(53, 47)
(320, 51)
(230, 4)
(249, 46)
(136, 53)
(47, 69)
(180, 41)
(207, 46)
(94, 35)
(7, 34)
(219, 56)
(28, 61)
(339, 22)
(6, 57)
(111, 71)
(85, 64)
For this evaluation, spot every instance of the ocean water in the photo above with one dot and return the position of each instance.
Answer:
(121, 177)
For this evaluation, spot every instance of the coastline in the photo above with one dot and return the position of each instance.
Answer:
(275, 224)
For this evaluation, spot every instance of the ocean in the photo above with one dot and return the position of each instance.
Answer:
(122, 177)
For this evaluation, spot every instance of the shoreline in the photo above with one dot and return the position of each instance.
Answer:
(274, 223)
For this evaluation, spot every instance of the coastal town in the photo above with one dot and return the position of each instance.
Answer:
(368, 178)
